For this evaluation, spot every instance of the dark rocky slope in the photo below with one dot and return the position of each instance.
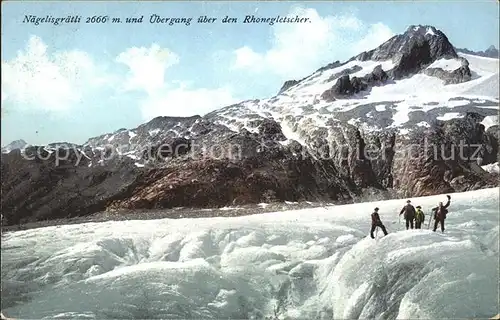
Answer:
(264, 170)
(345, 171)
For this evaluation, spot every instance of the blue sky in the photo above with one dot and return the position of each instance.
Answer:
(74, 81)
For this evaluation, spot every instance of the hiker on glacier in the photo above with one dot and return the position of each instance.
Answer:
(376, 222)
(409, 214)
(419, 217)
(440, 213)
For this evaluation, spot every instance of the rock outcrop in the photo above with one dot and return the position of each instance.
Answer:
(287, 85)
(459, 75)
(444, 158)
(346, 86)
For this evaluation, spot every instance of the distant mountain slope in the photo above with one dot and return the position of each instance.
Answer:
(366, 127)
(491, 52)
(16, 144)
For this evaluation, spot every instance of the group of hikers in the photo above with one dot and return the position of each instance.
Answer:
(414, 216)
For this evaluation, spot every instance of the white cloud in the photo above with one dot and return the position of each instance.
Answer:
(53, 82)
(185, 102)
(247, 58)
(300, 48)
(147, 67)
(376, 35)
(39, 79)
(147, 70)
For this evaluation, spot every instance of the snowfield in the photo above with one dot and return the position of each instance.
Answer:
(305, 264)
(493, 168)
(301, 109)
(446, 64)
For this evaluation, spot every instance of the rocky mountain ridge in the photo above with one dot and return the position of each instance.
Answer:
(16, 144)
(397, 121)
(491, 52)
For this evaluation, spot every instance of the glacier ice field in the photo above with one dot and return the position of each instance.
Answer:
(300, 264)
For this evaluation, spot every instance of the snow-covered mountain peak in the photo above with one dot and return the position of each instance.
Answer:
(492, 47)
(417, 45)
(423, 30)
(16, 144)
(366, 95)
(491, 52)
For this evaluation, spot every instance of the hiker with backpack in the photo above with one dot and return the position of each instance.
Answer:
(419, 217)
(376, 222)
(440, 213)
(409, 214)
